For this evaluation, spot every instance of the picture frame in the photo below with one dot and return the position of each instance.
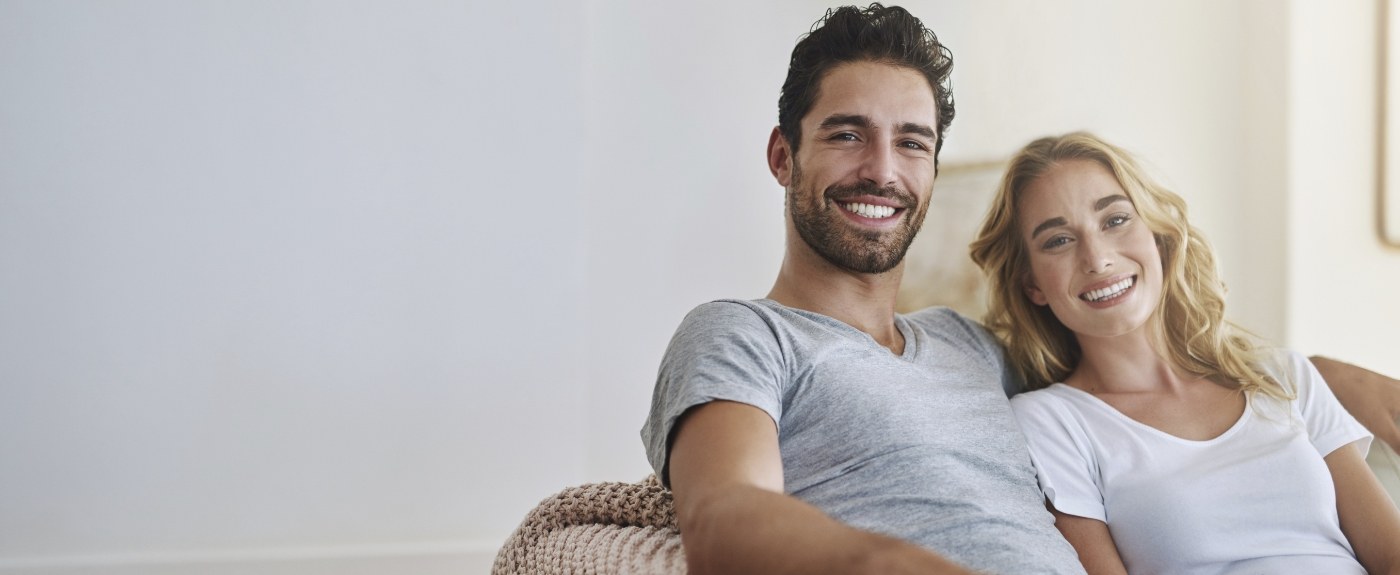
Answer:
(938, 268)
(1388, 198)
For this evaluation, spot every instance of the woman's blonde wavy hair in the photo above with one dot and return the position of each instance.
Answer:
(1190, 319)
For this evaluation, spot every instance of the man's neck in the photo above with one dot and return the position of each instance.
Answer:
(863, 301)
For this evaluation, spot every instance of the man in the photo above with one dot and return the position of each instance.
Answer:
(815, 431)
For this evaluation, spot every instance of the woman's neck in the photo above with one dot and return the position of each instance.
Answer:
(1129, 363)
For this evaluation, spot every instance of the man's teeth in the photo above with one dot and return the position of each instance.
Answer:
(1108, 292)
(870, 211)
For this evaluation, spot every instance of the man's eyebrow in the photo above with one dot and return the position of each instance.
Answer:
(860, 121)
(1107, 200)
(838, 120)
(920, 129)
(1047, 224)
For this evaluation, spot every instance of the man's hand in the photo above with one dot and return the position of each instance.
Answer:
(1373, 399)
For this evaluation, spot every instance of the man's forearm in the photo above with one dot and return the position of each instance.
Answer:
(745, 529)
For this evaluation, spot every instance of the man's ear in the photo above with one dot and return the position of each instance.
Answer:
(1034, 294)
(780, 158)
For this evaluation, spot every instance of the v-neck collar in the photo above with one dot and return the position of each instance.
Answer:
(900, 323)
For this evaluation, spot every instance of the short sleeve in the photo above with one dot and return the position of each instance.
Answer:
(1062, 454)
(721, 351)
(1328, 423)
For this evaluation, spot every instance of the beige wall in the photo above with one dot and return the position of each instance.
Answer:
(1195, 88)
(1262, 114)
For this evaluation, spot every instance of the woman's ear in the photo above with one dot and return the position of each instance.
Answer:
(1034, 294)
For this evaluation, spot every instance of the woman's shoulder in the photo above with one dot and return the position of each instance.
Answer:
(1275, 359)
(1057, 414)
(1053, 400)
(1289, 368)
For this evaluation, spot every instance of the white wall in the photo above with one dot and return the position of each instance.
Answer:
(286, 276)
(300, 286)
(680, 208)
(1344, 300)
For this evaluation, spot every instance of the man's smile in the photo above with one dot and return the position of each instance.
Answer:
(870, 211)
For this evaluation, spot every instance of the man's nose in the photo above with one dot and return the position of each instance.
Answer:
(878, 166)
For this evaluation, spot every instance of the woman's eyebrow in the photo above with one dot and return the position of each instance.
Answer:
(1105, 201)
(1047, 224)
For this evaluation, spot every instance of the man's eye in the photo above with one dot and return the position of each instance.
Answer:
(844, 137)
(911, 144)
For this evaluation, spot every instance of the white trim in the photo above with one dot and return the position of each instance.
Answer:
(474, 549)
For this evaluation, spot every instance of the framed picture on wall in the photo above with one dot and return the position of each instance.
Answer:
(937, 268)
(1389, 197)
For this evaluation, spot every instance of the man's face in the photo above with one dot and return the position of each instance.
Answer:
(862, 177)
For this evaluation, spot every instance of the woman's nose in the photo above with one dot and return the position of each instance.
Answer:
(1097, 258)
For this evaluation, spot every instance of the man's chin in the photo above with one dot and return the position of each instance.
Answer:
(861, 251)
(871, 264)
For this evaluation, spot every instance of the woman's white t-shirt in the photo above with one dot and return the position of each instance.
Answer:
(1257, 499)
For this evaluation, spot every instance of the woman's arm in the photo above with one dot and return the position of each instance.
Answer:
(1093, 542)
(1373, 399)
(1370, 519)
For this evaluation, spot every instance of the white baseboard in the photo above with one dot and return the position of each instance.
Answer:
(436, 558)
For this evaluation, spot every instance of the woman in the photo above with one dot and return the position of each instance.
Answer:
(1166, 440)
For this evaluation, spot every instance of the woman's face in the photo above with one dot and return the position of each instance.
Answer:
(1092, 259)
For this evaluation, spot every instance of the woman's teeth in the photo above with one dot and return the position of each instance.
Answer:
(870, 211)
(1110, 291)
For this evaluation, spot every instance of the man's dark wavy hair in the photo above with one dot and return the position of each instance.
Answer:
(876, 33)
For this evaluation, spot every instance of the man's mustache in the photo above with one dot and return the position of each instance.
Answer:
(841, 193)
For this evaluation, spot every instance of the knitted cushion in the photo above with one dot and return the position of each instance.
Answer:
(599, 528)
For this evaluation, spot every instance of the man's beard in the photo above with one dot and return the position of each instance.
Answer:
(837, 241)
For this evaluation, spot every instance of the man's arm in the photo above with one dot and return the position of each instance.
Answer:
(727, 477)
(1373, 399)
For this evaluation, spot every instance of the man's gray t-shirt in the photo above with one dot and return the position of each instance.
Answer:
(922, 447)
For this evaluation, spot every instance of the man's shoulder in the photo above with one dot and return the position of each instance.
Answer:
(728, 307)
(946, 324)
(939, 315)
(729, 315)
(722, 324)
(757, 316)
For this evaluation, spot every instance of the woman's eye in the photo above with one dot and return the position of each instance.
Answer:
(1055, 242)
(1117, 220)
